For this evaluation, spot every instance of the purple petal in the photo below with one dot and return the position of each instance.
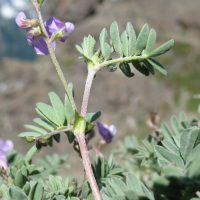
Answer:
(69, 27)
(6, 146)
(53, 24)
(113, 129)
(39, 45)
(106, 132)
(20, 19)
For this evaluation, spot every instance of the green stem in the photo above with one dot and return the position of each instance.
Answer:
(51, 52)
(120, 60)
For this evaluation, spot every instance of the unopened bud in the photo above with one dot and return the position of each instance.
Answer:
(58, 35)
(40, 2)
(23, 22)
(35, 31)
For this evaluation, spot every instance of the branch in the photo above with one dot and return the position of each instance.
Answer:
(51, 52)
(82, 142)
(120, 60)
(56, 132)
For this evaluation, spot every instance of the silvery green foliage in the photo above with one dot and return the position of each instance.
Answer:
(116, 183)
(165, 169)
(171, 166)
(125, 50)
(28, 181)
(54, 119)
(177, 155)
(128, 189)
(57, 116)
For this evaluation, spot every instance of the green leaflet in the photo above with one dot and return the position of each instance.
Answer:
(170, 146)
(20, 179)
(114, 34)
(105, 47)
(30, 153)
(167, 133)
(176, 126)
(91, 117)
(142, 39)
(37, 191)
(131, 39)
(157, 66)
(43, 124)
(58, 107)
(36, 129)
(87, 48)
(125, 68)
(79, 49)
(151, 41)
(141, 67)
(173, 171)
(47, 112)
(29, 134)
(193, 169)
(168, 157)
(188, 142)
(69, 100)
(69, 111)
(125, 43)
(17, 194)
(57, 185)
(162, 49)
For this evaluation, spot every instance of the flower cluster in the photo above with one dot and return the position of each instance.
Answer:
(56, 30)
(5, 147)
(107, 132)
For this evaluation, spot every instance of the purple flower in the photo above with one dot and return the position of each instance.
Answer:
(5, 147)
(54, 25)
(56, 29)
(107, 132)
(22, 21)
(39, 44)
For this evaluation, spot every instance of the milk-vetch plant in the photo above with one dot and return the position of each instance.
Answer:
(126, 51)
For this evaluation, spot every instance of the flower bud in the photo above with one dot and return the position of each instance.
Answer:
(40, 2)
(58, 35)
(23, 22)
(35, 31)
(107, 132)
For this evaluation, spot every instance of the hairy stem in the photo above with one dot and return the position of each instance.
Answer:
(56, 132)
(88, 85)
(120, 60)
(80, 136)
(82, 142)
(51, 52)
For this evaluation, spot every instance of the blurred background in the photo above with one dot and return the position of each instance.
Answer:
(26, 78)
